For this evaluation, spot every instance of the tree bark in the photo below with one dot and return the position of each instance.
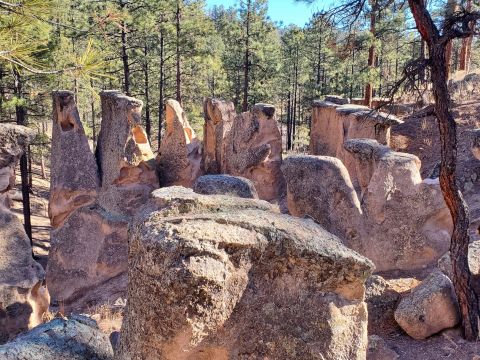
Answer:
(371, 54)
(178, 16)
(161, 83)
(148, 124)
(466, 51)
(462, 278)
(125, 61)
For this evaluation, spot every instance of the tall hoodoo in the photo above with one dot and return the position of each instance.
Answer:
(74, 174)
(253, 150)
(23, 298)
(180, 157)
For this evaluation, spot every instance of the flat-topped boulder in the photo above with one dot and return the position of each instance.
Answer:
(219, 116)
(75, 338)
(74, 174)
(180, 157)
(23, 298)
(87, 262)
(336, 99)
(225, 185)
(126, 161)
(207, 272)
(403, 222)
(253, 150)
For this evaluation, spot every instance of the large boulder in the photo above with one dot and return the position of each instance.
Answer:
(402, 223)
(430, 307)
(225, 185)
(253, 150)
(87, 262)
(219, 116)
(23, 298)
(180, 158)
(222, 277)
(125, 160)
(77, 338)
(320, 187)
(74, 175)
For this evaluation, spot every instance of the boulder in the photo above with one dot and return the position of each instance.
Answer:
(320, 187)
(219, 116)
(76, 338)
(125, 160)
(216, 277)
(74, 175)
(23, 298)
(336, 99)
(89, 267)
(253, 150)
(179, 161)
(379, 350)
(430, 307)
(225, 185)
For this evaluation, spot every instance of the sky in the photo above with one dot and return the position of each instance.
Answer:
(287, 11)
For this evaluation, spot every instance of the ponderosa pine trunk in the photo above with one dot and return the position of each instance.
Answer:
(125, 61)
(466, 51)
(371, 55)
(462, 278)
(178, 29)
(148, 123)
(246, 65)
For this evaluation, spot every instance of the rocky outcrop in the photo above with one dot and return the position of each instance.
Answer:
(430, 307)
(88, 255)
(23, 298)
(225, 185)
(379, 350)
(219, 116)
(476, 143)
(336, 99)
(180, 158)
(395, 204)
(214, 270)
(320, 187)
(333, 124)
(87, 262)
(125, 160)
(74, 176)
(76, 338)
(253, 150)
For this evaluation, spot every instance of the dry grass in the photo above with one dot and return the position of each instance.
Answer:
(108, 317)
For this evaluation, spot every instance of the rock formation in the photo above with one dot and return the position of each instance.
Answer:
(430, 307)
(125, 160)
(74, 175)
(403, 222)
(336, 99)
(23, 298)
(253, 150)
(225, 185)
(88, 259)
(77, 338)
(88, 256)
(180, 158)
(333, 124)
(476, 143)
(379, 350)
(320, 187)
(219, 116)
(216, 277)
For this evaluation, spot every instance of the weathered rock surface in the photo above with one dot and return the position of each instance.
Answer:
(87, 261)
(320, 187)
(402, 223)
(429, 308)
(254, 151)
(336, 99)
(379, 350)
(179, 161)
(126, 161)
(227, 278)
(74, 174)
(77, 338)
(23, 298)
(219, 116)
(476, 143)
(225, 185)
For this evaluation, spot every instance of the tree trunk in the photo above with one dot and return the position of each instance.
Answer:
(92, 109)
(462, 278)
(246, 65)
(466, 52)
(178, 16)
(371, 54)
(161, 85)
(148, 125)
(126, 66)
(21, 114)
